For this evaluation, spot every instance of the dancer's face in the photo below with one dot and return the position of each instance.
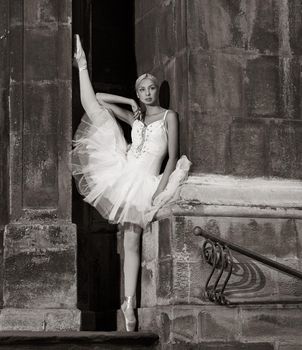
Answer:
(147, 92)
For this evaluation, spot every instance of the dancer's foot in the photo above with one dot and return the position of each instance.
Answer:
(128, 311)
(79, 54)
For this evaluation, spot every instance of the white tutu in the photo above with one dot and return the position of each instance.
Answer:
(118, 179)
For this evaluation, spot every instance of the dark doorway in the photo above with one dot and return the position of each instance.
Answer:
(107, 32)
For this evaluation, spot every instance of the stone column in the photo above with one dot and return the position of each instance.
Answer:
(40, 289)
(233, 68)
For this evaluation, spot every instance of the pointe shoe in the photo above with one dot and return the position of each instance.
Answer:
(79, 54)
(130, 322)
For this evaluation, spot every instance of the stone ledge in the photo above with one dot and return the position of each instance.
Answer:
(144, 338)
(237, 191)
(220, 195)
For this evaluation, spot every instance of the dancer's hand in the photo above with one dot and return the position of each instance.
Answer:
(156, 193)
(79, 54)
(137, 113)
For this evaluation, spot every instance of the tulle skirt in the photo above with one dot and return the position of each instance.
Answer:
(119, 187)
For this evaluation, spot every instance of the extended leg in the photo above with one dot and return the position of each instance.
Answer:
(131, 267)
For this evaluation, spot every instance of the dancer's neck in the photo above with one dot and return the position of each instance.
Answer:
(153, 110)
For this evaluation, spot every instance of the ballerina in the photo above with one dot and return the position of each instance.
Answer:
(122, 181)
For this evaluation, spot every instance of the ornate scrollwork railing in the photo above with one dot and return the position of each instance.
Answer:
(217, 253)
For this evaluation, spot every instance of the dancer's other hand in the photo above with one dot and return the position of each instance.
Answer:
(79, 54)
(137, 113)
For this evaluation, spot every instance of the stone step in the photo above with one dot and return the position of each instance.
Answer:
(196, 324)
(233, 346)
(78, 340)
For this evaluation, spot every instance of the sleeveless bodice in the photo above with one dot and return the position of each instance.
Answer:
(149, 145)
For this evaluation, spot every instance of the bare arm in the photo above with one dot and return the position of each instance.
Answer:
(109, 101)
(172, 121)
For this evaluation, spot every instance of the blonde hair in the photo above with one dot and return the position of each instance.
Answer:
(146, 76)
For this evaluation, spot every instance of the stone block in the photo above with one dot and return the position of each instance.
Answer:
(148, 280)
(147, 319)
(167, 34)
(289, 287)
(39, 266)
(64, 49)
(40, 175)
(184, 325)
(233, 25)
(16, 57)
(288, 239)
(180, 24)
(40, 13)
(277, 322)
(286, 346)
(16, 108)
(216, 84)
(164, 239)
(262, 17)
(293, 26)
(164, 283)
(218, 323)
(208, 156)
(262, 88)
(12, 319)
(251, 282)
(65, 11)
(146, 42)
(40, 108)
(16, 10)
(150, 244)
(290, 90)
(247, 148)
(147, 6)
(284, 150)
(40, 51)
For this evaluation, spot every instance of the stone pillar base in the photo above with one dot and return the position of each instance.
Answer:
(40, 280)
(12, 319)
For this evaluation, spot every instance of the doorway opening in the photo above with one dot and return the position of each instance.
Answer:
(107, 33)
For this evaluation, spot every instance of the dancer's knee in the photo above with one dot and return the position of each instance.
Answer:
(131, 241)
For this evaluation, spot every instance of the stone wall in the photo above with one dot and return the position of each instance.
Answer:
(39, 291)
(4, 91)
(234, 73)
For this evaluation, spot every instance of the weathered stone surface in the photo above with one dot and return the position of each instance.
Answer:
(286, 346)
(40, 108)
(179, 274)
(37, 15)
(285, 150)
(149, 279)
(12, 319)
(205, 156)
(261, 197)
(218, 324)
(184, 325)
(221, 346)
(264, 323)
(237, 24)
(247, 149)
(262, 86)
(242, 62)
(215, 84)
(39, 266)
(40, 54)
(146, 36)
(40, 171)
(164, 287)
(79, 340)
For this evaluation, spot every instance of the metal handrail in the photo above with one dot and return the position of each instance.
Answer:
(216, 251)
